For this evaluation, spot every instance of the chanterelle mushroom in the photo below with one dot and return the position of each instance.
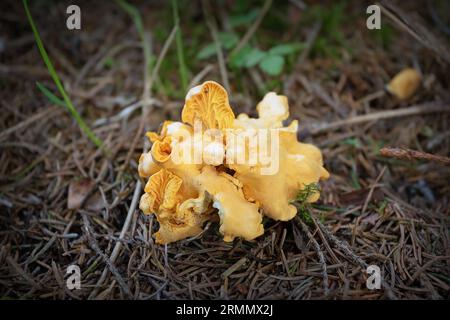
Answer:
(165, 196)
(208, 103)
(238, 217)
(405, 83)
(213, 163)
(300, 163)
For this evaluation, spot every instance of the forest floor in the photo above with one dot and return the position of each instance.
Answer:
(64, 201)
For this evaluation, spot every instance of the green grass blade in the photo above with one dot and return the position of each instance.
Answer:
(83, 126)
(135, 15)
(180, 52)
(133, 12)
(50, 96)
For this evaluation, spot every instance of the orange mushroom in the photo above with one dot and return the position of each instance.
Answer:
(185, 192)
(165, 197)
(209, 104)
(405, 83)
(300, 164)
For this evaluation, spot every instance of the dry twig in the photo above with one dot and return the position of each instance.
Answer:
(430, 107)
(319, 254)
(408, 154)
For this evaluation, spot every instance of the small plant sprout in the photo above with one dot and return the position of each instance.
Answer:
(307, 192)
(302, 201)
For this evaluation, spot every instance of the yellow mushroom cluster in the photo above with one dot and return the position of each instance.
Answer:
(209, 183)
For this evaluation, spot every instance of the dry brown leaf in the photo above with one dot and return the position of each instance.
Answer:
(78, 191)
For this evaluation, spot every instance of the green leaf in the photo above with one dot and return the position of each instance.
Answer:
(253, 57)
(272, 64)
(207, 52)
(239, 59)
(50, 96)
(243, 19)
(228, 39)
(287, 48)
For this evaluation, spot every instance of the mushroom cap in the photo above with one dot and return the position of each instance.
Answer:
(272, 111)
(161, 150)
(274, 108)
(147, 165)
(300, 164)
(238, 217)
(209, 104)
(171, 232)
(405, 83)
(165, 197)
(161, 192)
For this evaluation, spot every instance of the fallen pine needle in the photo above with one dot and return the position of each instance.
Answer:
(408, 154)
(318, 252)
(118, 245)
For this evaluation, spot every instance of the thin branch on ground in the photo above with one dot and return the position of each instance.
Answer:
(430, 107)
(319, 253)
(340, 244)
(409, 154)
(109, 263)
